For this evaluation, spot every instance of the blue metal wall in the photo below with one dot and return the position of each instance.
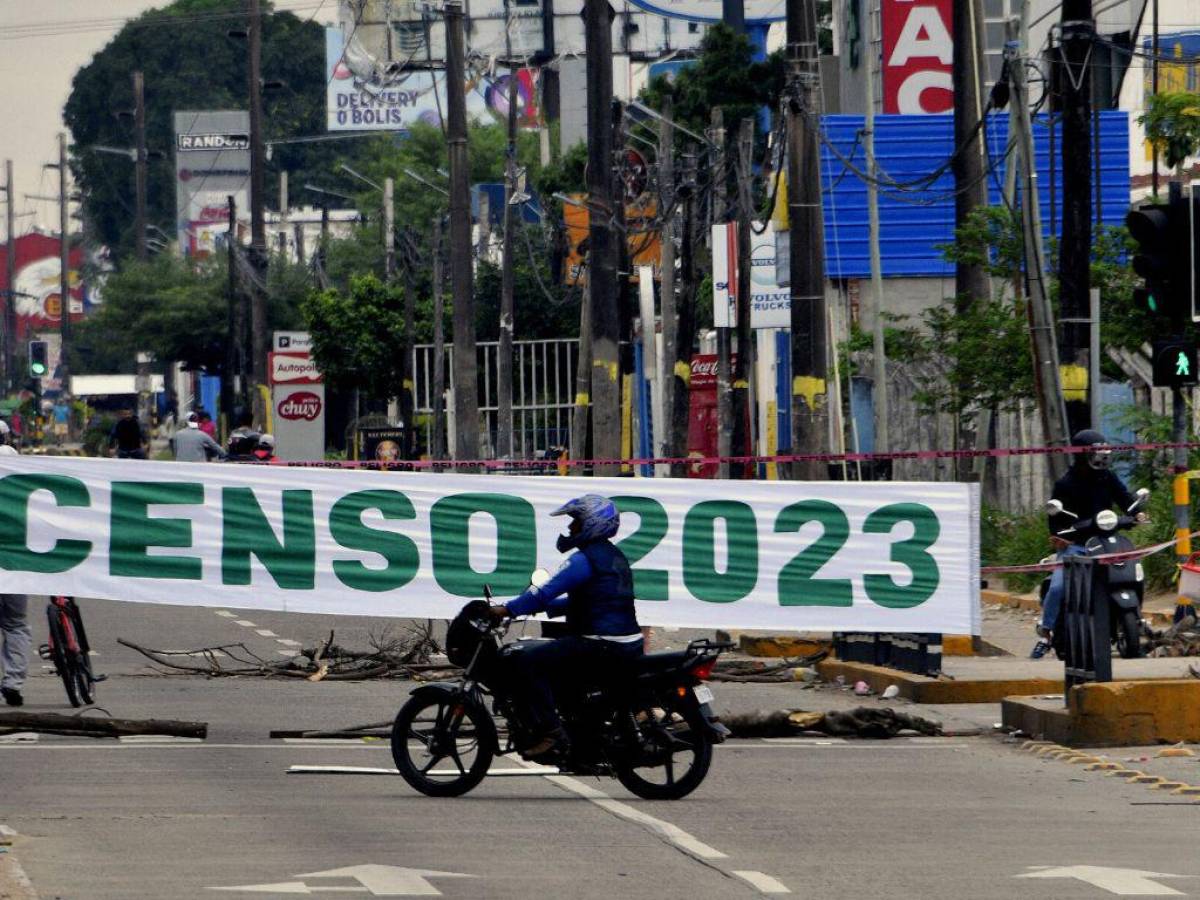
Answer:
(912, 225)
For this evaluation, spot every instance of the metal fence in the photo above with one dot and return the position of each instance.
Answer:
(543, 395)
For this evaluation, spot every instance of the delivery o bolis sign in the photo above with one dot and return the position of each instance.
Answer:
(917, 56)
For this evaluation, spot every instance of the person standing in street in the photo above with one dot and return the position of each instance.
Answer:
(127, 438)
(15, 636)
(190, 444)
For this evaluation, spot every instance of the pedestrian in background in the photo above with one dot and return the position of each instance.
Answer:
(15, 636)
(190, 444)
(207, 425)
(127, 438)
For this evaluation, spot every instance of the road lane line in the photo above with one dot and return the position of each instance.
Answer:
(11, 872)
(288, 642)
(245, 623)
(763, 882)
(226, 613)
(266, 632)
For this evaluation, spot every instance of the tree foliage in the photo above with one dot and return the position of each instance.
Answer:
(191, 62)
(1172, 123)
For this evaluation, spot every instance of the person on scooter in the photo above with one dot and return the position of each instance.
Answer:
(594, 590)
(1087, 488)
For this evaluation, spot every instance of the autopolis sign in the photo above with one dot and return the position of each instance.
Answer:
(213, 141)
(796, 556)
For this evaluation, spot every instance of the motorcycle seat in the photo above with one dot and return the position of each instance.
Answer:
(655, 663)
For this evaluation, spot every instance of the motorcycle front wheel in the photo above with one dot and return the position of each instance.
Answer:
(1129, 637)
(440, 745)
(675, 756)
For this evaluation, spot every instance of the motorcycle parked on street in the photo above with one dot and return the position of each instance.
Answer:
(1125, 584)
(651, 727)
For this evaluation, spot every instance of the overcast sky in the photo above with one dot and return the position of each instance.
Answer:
(36, 68)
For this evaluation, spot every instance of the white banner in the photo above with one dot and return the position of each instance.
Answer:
(785, 556)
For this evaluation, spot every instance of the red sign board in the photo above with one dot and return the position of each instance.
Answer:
(38, 298)
(917, 55)
(293, 368)
(299, 405)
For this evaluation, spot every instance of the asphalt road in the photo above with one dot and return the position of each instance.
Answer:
(931, 817)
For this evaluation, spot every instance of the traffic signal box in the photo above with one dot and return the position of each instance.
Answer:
(38, 359)
(1166, 235)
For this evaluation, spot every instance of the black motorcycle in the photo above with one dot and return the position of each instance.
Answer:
(651, 726)
(1125, 583)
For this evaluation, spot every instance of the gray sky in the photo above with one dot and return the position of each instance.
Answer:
(42, 45)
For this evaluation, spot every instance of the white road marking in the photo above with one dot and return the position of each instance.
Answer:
(288, 642)
(379, 881)
(287, 653)
(158, 739)
(765, 883)
(266, 632)
(368, 770)
(18, 737)
(245, 623)
(226, 614)
(7, 832)
(1124, 882)
(326, 742)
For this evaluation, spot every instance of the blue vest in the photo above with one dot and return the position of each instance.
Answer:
(604, 603)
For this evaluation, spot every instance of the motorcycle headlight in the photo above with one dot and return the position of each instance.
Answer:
(1106, 520)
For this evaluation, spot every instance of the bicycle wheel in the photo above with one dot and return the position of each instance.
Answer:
(434, 729)
(64, 661)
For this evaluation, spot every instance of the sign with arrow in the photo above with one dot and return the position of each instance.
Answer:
(375, 881)
(1124, 882)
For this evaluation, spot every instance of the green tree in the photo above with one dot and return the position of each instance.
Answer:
(358, 336)
(1172, 123)
(191, 62)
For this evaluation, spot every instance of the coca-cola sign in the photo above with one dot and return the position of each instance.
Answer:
(704, 371)
(301, 405)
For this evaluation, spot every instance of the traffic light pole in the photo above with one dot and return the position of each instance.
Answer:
(1180, 493)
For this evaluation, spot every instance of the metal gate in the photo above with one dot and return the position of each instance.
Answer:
(543, 395)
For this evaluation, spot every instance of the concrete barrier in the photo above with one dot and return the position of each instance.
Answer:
(1112, 714)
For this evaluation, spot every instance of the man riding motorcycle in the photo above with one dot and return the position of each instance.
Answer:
(1087, 488)
(594, 590)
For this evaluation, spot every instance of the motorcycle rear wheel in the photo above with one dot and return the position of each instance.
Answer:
(671, 739)
(1129, 637)
(441, 729)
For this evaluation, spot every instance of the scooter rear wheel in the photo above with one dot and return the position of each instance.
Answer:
(1129, 636)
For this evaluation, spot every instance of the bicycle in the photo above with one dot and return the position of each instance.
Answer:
(68, 649)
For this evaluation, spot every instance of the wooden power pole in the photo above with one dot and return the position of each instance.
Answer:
(258, 229)
(668, 311)
(741, 405)
(64, 260)
(969, 164)
(10, 286)
(685, 335)
(602, 274)
(437, 443)
(466, 388)
(810, 433)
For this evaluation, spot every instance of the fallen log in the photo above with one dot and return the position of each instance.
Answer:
(90, 726)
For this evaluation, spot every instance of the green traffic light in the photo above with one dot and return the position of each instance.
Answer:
(1182, 365)
(38, 369)
(1152, 303)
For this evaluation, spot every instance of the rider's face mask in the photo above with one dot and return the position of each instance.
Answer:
(1099, 459)
(567, 541)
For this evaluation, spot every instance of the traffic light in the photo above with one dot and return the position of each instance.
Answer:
(1158, 231)
(1174, 362)
(38, 359)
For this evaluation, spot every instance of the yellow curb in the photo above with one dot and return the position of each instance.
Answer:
(921, 689)
(1131, 713)
(1048, 749)
(1078, 760)
(1105, 767)
(1147, 779)
(1033, 745)
(780, 646)
(1012, 601)
(1127, 774)
(1169, 785)
(1188, 790)
(1174, 751)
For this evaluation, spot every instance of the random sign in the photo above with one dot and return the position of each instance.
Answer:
(293, 368)
(212, 163)
(213, 141)
(37, 283)
(917, 55)
(792, 556)
(771, 305)
(299, 405)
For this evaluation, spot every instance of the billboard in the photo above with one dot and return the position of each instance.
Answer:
(38, 296)
(917, 56)
(771, 304)
(212, 163)
(363, 97)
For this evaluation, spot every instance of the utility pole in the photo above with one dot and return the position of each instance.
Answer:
(139, 166)
(602, 274)
(10, 292)
(970, 162)
(1046, 372)
(879, 395)
(231, 363)
(1074, 267)
(1154, 92)
(682, 358)
(407, 379)
(741, 400)
(666, 272)
(466, 389)
(64, 261)
(283, 212)
(389, 230)
(583, 378)
(810, 432)
(258, 231)
(504, 374)
(437, 443)
(720, 205)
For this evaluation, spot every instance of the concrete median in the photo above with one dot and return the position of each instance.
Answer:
(1112, 714)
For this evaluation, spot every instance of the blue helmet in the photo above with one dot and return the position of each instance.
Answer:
(593, 518)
